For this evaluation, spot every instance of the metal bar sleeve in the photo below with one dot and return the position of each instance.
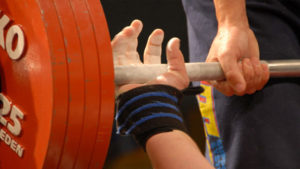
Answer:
(198, 71)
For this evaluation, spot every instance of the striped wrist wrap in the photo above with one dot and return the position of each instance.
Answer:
(149, 110)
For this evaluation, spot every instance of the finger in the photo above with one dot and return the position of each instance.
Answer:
(152, 53)
(120, 41)
(258, 73)
(137, 27)
(175, 57)
(265, 76)
(249, 75)
(132, 43)
(255, 61)
(176, 65)
(232, 73)
(119, 46)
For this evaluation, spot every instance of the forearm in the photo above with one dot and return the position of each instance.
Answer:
(175, 150)
(231, 13)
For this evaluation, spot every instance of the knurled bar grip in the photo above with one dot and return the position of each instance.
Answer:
(198, 71)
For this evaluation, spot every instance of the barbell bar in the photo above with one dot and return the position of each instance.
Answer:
(199, 71)
(57, 83)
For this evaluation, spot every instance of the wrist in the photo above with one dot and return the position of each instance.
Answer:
(125, 88)
(149, 110)
(232, 30)
(231, 13)
(233, 23)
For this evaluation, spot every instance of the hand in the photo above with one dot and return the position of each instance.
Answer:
(237, 51)
(124, 47)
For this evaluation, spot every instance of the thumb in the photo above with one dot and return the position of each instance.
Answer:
(233, 73)
(176, 67)
(175, 57)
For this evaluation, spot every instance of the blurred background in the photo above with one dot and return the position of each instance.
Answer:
(168, 15)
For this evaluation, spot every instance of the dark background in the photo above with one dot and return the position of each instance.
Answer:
(169, 16)
(165, 14)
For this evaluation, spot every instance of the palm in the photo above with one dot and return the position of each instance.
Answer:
(125, 53)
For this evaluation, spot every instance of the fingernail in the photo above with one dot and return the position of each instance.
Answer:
(177, 41)
(178, 44)
(157, 39)
(172, 46)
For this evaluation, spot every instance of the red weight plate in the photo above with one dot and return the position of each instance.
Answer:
(37, 84)
(92, 89)
(107, 83)
(59, 118)
(107, 95)
(76, 83)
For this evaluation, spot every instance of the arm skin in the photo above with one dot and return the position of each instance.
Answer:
(231, 13)
(175, 150)
(236, 48)
(170, 150)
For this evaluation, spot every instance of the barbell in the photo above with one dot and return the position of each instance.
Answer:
(198, 71)
(57, 83)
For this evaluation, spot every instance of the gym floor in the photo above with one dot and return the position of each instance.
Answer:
(169, 16)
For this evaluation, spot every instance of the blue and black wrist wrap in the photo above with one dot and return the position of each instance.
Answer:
(149, 110)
